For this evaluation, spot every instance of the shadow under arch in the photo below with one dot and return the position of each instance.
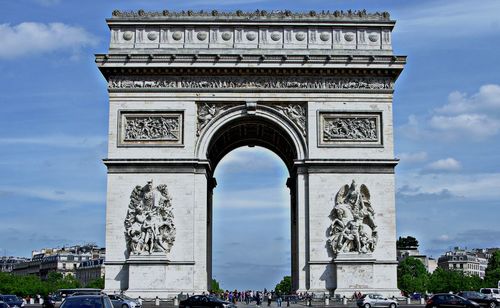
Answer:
(264, 127)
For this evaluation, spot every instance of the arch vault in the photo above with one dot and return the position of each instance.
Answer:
(186, 88)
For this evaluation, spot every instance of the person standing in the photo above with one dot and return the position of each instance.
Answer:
(269, 298)
(278, 299)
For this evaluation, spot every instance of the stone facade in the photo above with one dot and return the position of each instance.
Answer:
(185, 88)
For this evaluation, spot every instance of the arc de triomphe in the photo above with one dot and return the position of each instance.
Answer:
(186, 88)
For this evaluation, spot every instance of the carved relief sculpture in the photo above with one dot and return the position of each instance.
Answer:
(296, 113)
(152, 128)
(252, 82)
(206, 112)
(353, 228)
(149, 225)
(357, 129)
(363, 129)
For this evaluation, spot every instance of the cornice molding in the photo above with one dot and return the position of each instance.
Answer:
(337, 15)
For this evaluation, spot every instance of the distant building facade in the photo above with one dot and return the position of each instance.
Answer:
(408, 247)
(90, 270)
(7, 263)
(430, 263)
(471, 262)
(64, 260)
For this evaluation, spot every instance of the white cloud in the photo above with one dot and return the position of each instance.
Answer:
(475, 117)
(269, 198)
(438, 19)
(254, 159)
(61, 141)
(444, 165)
(487, 98)
(478, 186)
(471, 125)
(55, 194)
(413, 157)
(34, 38)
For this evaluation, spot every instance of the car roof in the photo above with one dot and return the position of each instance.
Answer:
(87, 296)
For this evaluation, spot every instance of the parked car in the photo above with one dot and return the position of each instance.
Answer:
(87, 301)
(375, 300)
(450, 300)
(493, 292)
(122, 301)
(12, 300)
(205, 301)
(3, 305)
(480, 298)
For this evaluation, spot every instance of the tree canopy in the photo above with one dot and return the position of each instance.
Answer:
(406, 242)
(215, 287)
(412, 276)
(32, 285)
(492, 274)
(284, 286)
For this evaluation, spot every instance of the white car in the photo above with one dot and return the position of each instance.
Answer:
(376, 300)
(492, 292)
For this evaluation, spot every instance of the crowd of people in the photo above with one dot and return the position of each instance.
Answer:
(260, 297)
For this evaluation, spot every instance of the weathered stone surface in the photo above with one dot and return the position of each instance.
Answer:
(315, 88)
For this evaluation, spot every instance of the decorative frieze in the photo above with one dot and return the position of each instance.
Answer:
(150, 128)
(149, 224)
(353, 227)
(258, 14)
(252, 82)
(345, 128)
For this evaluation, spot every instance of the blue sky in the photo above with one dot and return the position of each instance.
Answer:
(54, 128)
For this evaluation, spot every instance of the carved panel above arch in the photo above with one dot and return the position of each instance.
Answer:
(350, 129)
(150, 128)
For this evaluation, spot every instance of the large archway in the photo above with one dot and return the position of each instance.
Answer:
(186, 88)
(251, 223)
(256, 126)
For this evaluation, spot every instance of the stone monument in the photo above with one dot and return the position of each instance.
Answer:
(186, 88)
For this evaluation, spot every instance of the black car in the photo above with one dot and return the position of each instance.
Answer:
(450, 300)
(12, 300)
(87, 301)
(481, 299)
(205, 301)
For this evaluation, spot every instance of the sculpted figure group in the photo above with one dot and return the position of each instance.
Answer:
(149, 225)
(353, 228)
(350, 129)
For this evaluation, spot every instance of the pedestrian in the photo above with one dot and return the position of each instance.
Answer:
(278, 299)
(269, 298)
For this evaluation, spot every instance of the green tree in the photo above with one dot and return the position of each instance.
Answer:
(215, 287)
(443, 280)
(284, 286)
(406, 242)
(96, 283)
(412, 276)
(492, 274)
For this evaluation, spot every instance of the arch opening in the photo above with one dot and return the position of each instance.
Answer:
(273, 133)
(251, 220)
(252, 131)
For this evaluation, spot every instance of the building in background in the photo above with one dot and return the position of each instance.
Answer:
(471, 262)
(89, 271)
(7, 263)
(408, 247)
(64, 260)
